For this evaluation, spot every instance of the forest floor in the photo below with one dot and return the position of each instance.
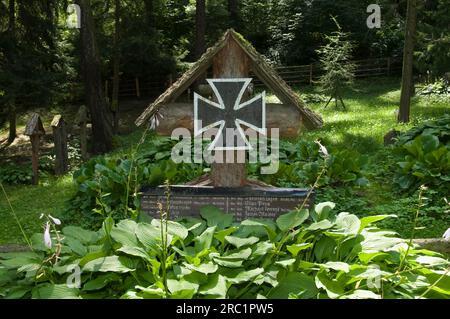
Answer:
(370, 114)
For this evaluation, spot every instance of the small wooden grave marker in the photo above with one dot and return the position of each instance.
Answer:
(60, 139)
(81, 121)
(35, 130)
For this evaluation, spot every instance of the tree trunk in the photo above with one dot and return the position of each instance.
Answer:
(234, 14)
(100, 114)
(12, 101)
(200, 28)
(116, 79)
(407, 76)
(149, 13)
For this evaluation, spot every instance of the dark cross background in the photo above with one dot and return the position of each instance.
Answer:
(208, 113)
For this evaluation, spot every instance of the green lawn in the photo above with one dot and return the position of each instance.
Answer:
(29, 202)
(371, 113)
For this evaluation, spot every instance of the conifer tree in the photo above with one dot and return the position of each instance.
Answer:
(335, 59)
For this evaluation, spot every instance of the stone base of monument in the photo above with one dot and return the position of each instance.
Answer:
(243, 202)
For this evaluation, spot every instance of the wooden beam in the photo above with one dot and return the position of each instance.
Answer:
(230, 62)
(286, 118)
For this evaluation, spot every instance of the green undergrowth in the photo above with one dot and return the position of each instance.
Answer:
(317, 254)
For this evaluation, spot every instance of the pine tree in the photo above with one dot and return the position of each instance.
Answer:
(335, 59)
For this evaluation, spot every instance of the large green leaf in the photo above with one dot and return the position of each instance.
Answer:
(241, 242)
(19, 259)
(361, 294)
(100, 282)
(294, 283)
(124, 233)
(322, 210)
(216, 287)
(75, 245)
(347, 224)
(204, 241)
(296, 248)
(109, 264)
(333, 288)
(83, 235)
(365, 221)
(240, 276)
(207, 268)
(216, 217)
(175, 285)
(173, 228)
(220, 235)
(51, 291)
(149, 236)
(291, 220)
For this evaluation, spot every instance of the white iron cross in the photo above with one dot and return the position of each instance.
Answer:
(229, 113)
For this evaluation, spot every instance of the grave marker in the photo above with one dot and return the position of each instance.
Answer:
(35, 130)
(230, 106)
(60, 140)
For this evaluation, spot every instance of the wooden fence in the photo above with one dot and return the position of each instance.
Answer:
(298, 74)
(364, 68)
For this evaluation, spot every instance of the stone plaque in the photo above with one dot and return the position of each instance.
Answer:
(242, 202)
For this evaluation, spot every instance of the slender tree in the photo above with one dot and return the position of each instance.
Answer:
(200, 28)
(100, 113)
(12, 99)
(407, 74)
(116, 58)
(335, 58)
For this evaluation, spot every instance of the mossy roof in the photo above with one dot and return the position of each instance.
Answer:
(262, 70)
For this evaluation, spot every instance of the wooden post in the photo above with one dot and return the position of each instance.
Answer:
(138, 91)
(60, 140)
(82, 122)
(230, 62)
(35, 130)
(311, 74)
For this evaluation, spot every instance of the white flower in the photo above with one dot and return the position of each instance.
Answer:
(155, 119)
(323, 149)
(447, 234)
(56, 221)
(47, 237)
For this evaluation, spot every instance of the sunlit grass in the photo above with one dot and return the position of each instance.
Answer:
(29, 202)
(371, 113)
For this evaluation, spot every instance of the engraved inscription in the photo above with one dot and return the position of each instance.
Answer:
(242, 207)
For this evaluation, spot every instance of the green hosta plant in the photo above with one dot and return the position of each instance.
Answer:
(302, 254)
(300, 163)
(426, 160)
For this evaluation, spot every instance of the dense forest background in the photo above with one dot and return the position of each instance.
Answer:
(40, 53)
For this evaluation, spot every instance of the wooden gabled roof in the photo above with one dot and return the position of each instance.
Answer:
(260, 68)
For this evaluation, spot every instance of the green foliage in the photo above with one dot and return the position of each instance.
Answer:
(112, 185)
(22, 174)
(13, 174)
(301, 163)
(425, 154)
(316, 255)
(441, 87)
